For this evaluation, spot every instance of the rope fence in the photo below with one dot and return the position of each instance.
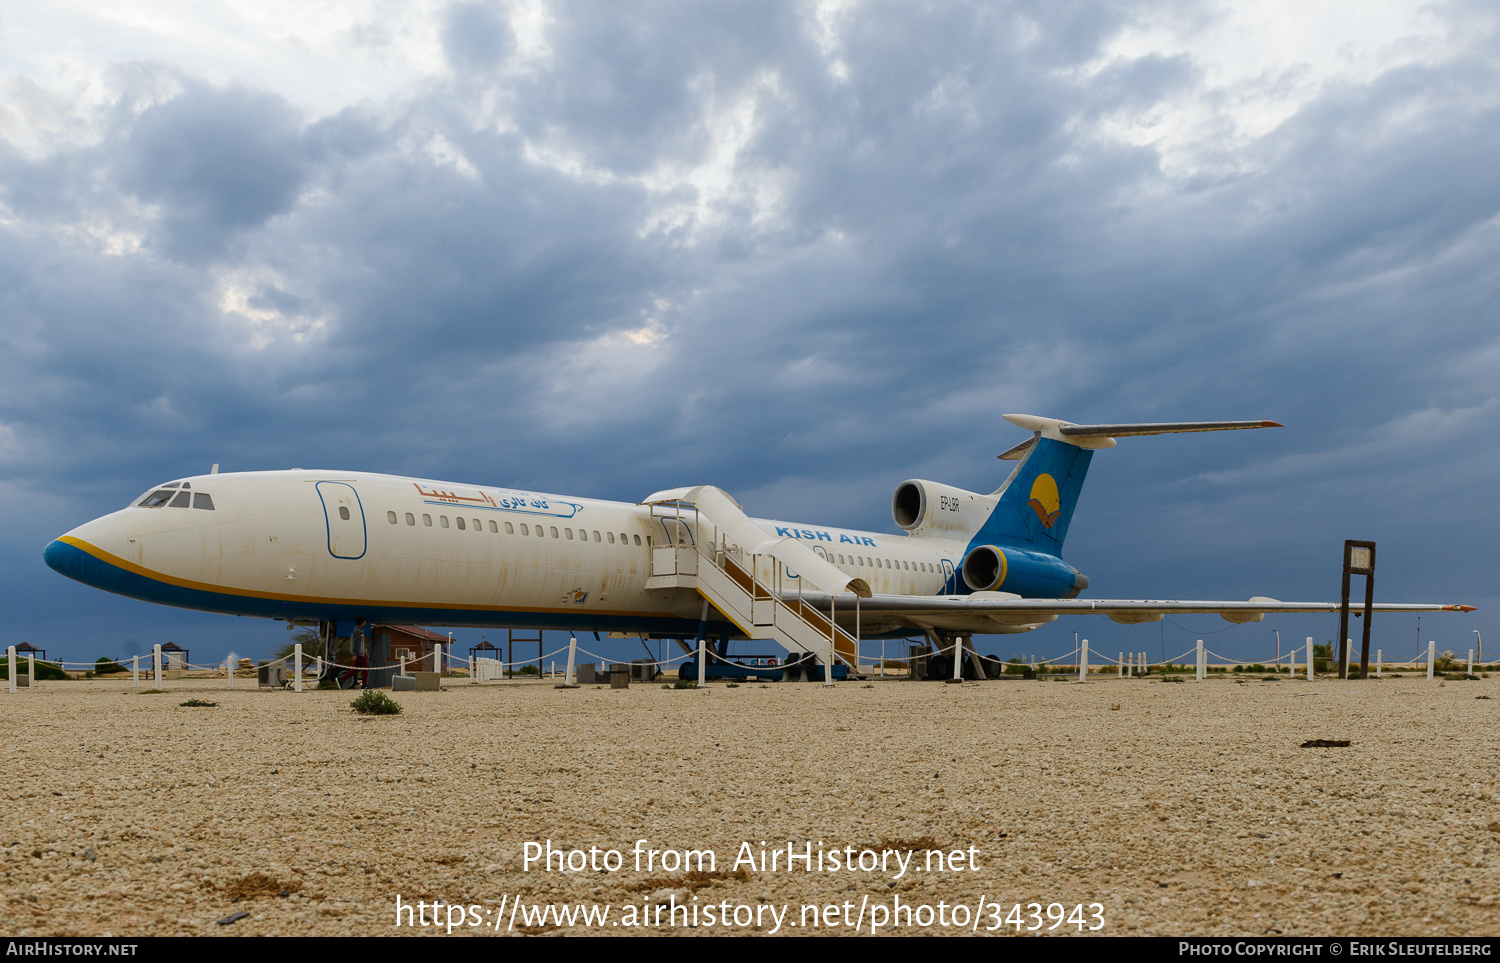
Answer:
(1079, 660)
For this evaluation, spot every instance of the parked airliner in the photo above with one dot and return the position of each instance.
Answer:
(327, 546)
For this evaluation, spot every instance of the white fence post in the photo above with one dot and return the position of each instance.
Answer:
(1471, 662)
(437, 658)
(135, 672)
(1120, 658)
(1348, 651)
(403, 665)
(1309, 658)
(229, 670)
(1083, 661)
(156, 666)
(1377, 663)
(10, 654)
(297, 666)
(570, 677)
(702, 661)
(1202, 662)
(1431, 650)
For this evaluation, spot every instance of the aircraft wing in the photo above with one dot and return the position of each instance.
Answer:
(999, 612)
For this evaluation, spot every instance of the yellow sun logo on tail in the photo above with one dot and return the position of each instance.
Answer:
(1044, 499)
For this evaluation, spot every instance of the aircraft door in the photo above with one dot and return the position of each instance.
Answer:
(948, 584)
(345, 517)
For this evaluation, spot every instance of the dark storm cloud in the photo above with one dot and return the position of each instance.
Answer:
(218, 162)
(857, 248)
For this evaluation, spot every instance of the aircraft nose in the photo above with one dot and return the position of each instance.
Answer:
(69, 559)
(83, 554)
(56, 556)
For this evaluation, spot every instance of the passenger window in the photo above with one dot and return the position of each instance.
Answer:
(554, 531)
(539, 532)
(624, 539)
(638, 540)
(427, 520)
(496, 530)
(183, 500)
(568, 532)
(524, 529)
(443, 520)
(409, 519)
(509, 528)
(597, 538)
(390, 517)
(478, 525)
(611, 538)
(460, 523)
(203, 500)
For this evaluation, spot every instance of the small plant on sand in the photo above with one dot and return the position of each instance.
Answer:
(197, 704)
(684, 684)
(373, 702)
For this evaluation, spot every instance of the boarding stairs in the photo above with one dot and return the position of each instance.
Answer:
(702, 540)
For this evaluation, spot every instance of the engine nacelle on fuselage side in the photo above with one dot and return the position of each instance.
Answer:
(923, 507)
(1033, 575)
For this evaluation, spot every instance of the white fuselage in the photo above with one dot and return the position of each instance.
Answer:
(313, 545)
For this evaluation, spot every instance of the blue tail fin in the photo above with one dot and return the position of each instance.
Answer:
(1037, 501)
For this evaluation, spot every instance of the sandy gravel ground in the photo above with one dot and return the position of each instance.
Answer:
(1180, 808)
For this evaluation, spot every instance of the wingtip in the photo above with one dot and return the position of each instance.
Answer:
(1272, 424)
(1460, 608)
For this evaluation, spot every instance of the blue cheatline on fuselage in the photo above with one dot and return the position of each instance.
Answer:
(77, 564)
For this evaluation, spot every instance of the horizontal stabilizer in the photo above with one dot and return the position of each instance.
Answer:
(1169, 428)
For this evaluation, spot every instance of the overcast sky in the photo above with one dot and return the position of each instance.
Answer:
(802, 251)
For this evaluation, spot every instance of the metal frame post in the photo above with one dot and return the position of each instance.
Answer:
(833, 628)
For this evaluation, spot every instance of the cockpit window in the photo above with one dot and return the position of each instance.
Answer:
(203, 500)
(183, 500)
(156, 499)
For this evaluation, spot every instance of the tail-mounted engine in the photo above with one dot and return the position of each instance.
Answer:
(989, 568)
(928, 508)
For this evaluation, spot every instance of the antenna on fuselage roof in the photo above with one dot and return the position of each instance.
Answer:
(214, 470)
